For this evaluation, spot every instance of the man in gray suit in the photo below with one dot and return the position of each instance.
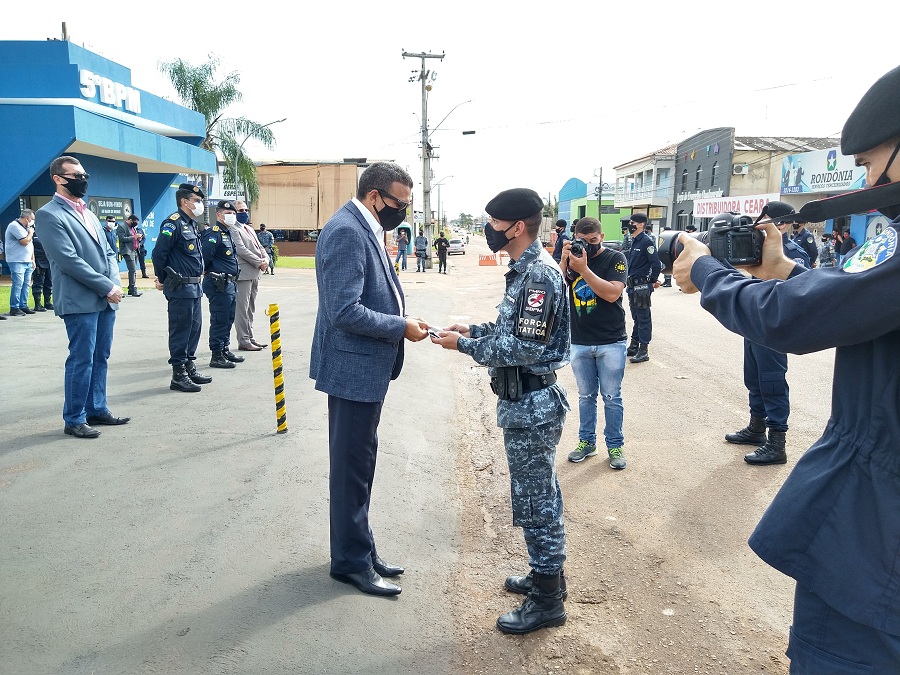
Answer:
(357, 350)
(86, 294)
(129, 243)
(252, 259)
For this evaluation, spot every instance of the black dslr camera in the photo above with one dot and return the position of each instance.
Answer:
(731, 238)
(577, 248)
(734, 239)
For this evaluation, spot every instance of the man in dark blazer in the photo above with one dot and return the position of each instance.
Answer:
(357, 350)
(86, 294)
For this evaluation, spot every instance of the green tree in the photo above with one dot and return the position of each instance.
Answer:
(551, 209)
(198, 90)
(465, 220)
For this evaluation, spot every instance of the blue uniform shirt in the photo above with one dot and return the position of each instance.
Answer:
(643, 258)
(218, 250)
(835, 524)
(178, 247)
(497, 345)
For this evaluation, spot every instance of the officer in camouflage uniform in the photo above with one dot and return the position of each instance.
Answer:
(524, 347)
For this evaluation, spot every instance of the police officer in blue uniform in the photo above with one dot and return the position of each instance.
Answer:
(221, 270)
(178, 264)
(805, 240)
(644, 267)
(834, 525)
(765, 369)
(524, 347)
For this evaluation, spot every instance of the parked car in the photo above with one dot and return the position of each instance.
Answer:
(614, 245)
(456, 246)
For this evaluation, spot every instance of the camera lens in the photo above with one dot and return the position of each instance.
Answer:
(577, 248)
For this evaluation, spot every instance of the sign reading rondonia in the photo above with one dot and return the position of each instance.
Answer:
(749, 205)
(821, 171)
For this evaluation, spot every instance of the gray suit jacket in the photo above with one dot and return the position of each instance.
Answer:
(357, 346)
(126, 241)
(247, 257)
(84, 270)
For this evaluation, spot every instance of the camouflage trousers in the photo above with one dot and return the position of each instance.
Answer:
(537, 503)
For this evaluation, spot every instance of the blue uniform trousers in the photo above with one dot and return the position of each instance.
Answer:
(537, 503)
(642, 330)
(221, 313)
(352, 449)
(764, 377)
(825, 642)
(185, 324)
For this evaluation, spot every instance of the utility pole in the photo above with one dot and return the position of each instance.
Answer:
(425, 77)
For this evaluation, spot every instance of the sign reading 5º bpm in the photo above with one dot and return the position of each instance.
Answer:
(111, 93)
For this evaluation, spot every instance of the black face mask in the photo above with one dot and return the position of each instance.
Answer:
(497, 240)
(892, 211)
(76, 187)
(390, 218)
(632, 229)
(593, 249)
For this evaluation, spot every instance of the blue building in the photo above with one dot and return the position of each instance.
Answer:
(57, 98)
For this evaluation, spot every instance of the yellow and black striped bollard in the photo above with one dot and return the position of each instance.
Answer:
(277, 368)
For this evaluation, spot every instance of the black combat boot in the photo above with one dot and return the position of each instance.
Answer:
(543, 607)
(219, 360)
(772, 452)
(181, 381)
(522, 585)
(196, 377)
(641, 355)
(38, 307)
(632, 348)
(234, 358)
(47, 303)
(752, 434)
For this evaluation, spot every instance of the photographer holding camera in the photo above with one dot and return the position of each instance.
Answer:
(596, 277)
(834, 526)
(643, 276)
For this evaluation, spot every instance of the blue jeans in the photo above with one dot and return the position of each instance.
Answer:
(90, 342)
(21, 282)
(401, 253)
(600, 369)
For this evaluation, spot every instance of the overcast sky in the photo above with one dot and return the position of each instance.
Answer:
(557, 90)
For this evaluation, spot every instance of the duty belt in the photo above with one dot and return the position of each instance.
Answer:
(190, 280)
(532, 382)
(229, 277)
(636, 281)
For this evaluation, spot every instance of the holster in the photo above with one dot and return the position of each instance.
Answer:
(173, 279)
(507, 383)
(641, 289)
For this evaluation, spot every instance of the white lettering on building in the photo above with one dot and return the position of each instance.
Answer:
(111, 93)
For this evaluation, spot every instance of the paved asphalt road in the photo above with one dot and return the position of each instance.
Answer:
(195, 539)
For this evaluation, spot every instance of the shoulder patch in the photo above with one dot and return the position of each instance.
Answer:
(212, 240)
(174, 216)
(650, 250)
(873, 253)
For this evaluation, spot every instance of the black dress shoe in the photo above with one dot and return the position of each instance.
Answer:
(258, 344)
(82, 431)
(136, 294)
(15, 311)
(368, 581)
(108, 420)
(386, 569)
(27, 310)
(48, 305)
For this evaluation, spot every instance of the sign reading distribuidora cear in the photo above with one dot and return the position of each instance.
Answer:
(110, 93)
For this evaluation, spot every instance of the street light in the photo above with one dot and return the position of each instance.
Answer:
(438, 186)
(237, 154)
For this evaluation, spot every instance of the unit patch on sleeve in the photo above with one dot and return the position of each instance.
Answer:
(874, 252)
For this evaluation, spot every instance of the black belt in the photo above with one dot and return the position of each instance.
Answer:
(229, 277)
(532, 382)
(635, 281)
(190, 280)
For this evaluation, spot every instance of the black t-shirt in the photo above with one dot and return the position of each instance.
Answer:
(848, 245)
(594, 320)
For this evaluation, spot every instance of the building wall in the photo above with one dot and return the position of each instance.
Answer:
(702, 151)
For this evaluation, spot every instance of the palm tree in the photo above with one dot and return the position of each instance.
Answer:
(225, 136)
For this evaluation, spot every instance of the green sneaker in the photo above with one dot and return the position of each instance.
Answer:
(616, 458)
(582, 451)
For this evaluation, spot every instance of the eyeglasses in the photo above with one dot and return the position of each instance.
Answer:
(402, 203)
(76, 176)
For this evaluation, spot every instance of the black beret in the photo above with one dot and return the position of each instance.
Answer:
(225, 205)
(639, 217)
(690, 228)
(515, 204)
(192, 188)
(779, 212)
(561, 223)
(876, 118)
